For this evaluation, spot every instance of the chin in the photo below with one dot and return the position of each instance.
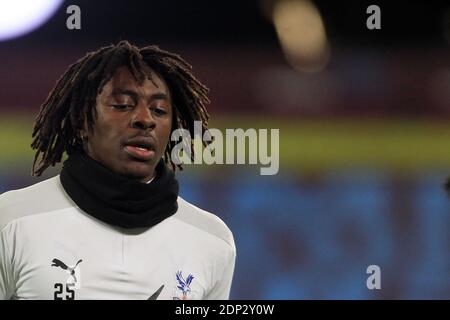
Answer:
(139, 170)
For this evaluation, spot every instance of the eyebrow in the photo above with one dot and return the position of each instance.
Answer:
(134, 95)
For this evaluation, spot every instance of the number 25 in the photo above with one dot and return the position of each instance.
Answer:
(59, 291)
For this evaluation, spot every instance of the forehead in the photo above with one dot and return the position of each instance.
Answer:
(124, 79)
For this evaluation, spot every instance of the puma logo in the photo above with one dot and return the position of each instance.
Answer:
(70, 270)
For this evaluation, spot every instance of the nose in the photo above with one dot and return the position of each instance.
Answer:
(142, 118)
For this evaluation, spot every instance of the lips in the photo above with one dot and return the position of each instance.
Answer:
(141, 148)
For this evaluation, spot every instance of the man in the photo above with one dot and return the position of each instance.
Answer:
(111, 225)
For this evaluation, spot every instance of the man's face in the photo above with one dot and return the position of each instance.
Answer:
(133, 125)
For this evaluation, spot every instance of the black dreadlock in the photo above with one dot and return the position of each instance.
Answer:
(58, 124)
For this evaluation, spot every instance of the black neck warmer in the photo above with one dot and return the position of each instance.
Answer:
(118, 200)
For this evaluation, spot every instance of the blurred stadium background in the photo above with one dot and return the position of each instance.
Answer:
(364, 119)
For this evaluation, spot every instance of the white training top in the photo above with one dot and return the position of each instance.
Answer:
(51, 249)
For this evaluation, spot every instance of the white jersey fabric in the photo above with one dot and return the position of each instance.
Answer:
(51, 249)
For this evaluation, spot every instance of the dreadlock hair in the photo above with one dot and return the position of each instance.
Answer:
(73, 99)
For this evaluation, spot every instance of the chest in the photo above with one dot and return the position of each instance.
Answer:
(105, 265)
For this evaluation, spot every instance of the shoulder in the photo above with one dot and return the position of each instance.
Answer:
(42, 197)
(205, 221)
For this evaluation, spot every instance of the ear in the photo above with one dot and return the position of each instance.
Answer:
(84, 130)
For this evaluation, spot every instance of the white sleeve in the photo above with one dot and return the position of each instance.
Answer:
(221, 290)
(6, 274)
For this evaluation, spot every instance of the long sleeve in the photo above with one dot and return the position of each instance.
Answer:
(6, 275)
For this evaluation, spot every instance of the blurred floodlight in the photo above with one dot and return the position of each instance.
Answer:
(19, 17)
(301, 33)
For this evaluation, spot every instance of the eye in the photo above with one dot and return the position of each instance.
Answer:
(120, 106)
(159, 111)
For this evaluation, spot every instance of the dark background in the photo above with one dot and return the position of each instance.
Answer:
(363, 141)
